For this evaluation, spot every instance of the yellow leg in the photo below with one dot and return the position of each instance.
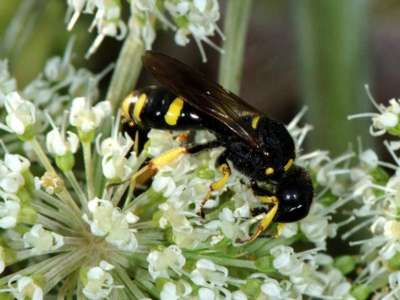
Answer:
(268, 199)
(217, 185)
(156, 163)
(281, 227)
(268, 218)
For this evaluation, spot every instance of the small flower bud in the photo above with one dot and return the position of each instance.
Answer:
(361, 292)
(345, 264)
(51, 182)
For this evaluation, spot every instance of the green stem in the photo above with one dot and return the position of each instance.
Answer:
(70, 264)
(131, 287)
(42, 156)
(235, 28)
(64, 195)
(231, 262)
(333, 48)
(78, 190)
(87, 157)
(126, 71)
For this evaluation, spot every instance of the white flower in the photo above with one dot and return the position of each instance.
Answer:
(100, 283)
(207, 294)
(175, 291)
(10, 181)
(229, 226)
(23, 287)
(272, 290)
(173, 214)
(119, 145)
(164, 184)
(11, 172)
(160, 262)
(209, 274)
(369, 158)
(86, 117)
(115, 165)
(9, 210)
(116, 168)
(21, 113)
(110, 222)
(289, 230)
(316, 227)
(285, 261)
(239, 295)
(41, 240)
(60, 145)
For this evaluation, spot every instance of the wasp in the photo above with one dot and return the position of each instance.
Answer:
(258, 147)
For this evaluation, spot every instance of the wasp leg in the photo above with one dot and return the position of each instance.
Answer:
(268, 218)
(167, 158)
(225, 170)
(155, 164)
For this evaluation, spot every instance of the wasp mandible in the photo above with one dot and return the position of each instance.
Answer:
(258, 147)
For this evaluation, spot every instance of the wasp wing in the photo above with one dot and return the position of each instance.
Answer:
(203, 94)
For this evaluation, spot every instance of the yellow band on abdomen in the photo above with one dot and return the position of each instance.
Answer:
(174, 111)
(139, 107)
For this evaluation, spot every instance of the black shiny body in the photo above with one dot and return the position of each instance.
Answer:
(244, 158)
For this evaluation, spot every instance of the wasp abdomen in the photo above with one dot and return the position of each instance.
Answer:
(156, 107)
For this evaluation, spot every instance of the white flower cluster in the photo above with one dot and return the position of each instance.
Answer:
(197, 18)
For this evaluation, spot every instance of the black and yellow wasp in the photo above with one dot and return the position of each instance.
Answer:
(258, 147)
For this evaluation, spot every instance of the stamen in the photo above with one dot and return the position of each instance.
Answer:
(200, 46)
(68, 51)
(213, 45)
(371, 98)
(116, 125)
(73, 20)
(376, 133)
(51, 121)
(362, 115)
(356, 228)
(103, 73)
(220, 33)
(357, 243)
(297, 117)
(98, 40)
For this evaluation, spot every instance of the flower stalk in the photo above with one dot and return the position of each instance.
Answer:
(127, 70)
(235, 31)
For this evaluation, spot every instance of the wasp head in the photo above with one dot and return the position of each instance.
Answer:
(295, 194)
